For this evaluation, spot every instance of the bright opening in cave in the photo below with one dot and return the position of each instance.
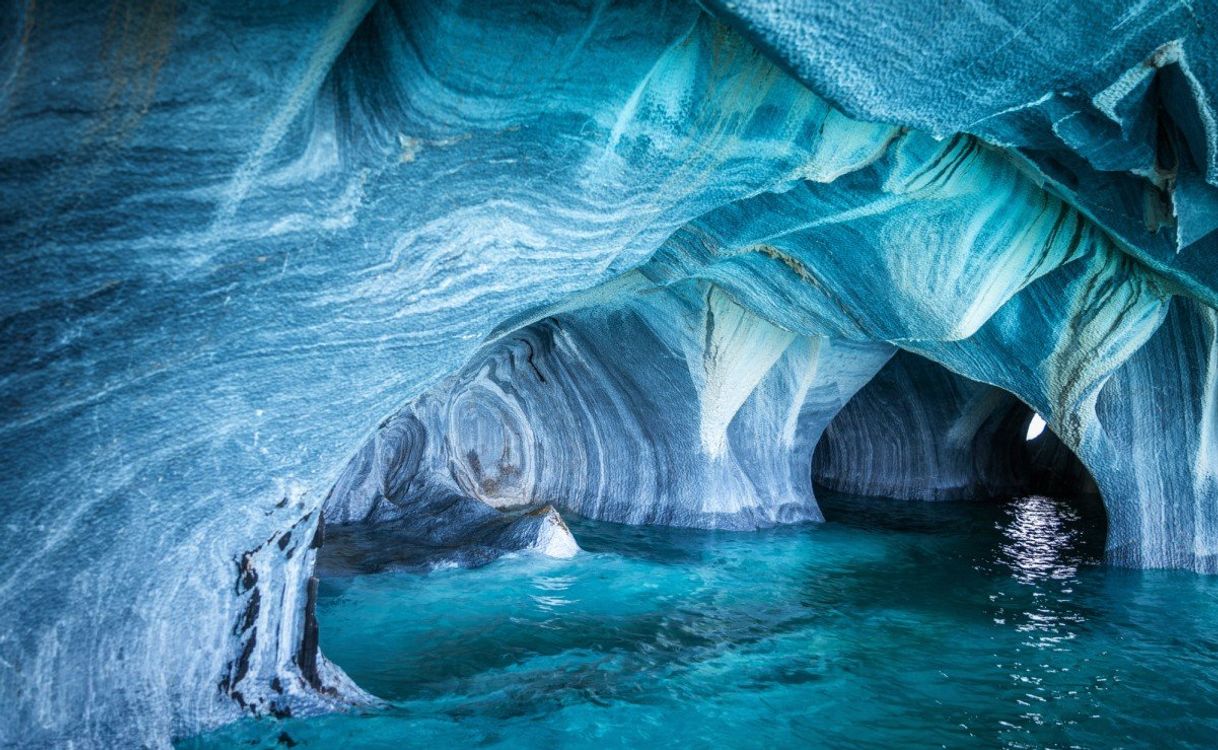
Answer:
(1035, 427)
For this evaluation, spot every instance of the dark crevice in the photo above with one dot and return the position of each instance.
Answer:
(919, 432)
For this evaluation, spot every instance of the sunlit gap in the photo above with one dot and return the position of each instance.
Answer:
(1036, 427)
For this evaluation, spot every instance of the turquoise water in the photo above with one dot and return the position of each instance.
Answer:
(892, 625)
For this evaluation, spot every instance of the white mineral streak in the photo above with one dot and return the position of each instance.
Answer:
(737, 349)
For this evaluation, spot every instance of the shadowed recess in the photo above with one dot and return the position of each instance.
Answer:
(454, 268)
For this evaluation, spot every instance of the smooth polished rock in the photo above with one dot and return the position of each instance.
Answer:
(239, 238)
(670, 405)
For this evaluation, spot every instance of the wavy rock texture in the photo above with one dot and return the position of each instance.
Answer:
(1114, 104)
(671, 406)
(1060, 359)
(237, 238)
(1154, 446)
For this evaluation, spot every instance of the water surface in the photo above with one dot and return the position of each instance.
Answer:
(892, 625)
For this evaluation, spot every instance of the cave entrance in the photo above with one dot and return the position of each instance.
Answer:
(919, 432)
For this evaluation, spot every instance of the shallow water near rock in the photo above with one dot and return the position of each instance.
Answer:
(893, 624)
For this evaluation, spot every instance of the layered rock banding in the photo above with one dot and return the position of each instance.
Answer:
(670, 406)
(243, 244)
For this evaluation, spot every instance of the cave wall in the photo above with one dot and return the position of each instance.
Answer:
(1112, 104)
(1156, 427)
(671, 406)
(1078, 375)
(238, 236)
(970, 265)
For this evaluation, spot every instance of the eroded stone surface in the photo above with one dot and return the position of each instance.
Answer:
(237, 239)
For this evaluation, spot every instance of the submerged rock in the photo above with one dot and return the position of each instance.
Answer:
(541, 530)
(405, 544)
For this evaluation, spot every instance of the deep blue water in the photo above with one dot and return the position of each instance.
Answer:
(892, 625)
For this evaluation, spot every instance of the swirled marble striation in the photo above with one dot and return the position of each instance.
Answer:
(245, 243)
(671, 406)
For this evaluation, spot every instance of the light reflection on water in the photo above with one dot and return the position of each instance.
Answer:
(894, 624)
(1041, 536)
(1041, 548)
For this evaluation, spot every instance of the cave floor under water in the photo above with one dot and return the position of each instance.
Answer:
(891, 625)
